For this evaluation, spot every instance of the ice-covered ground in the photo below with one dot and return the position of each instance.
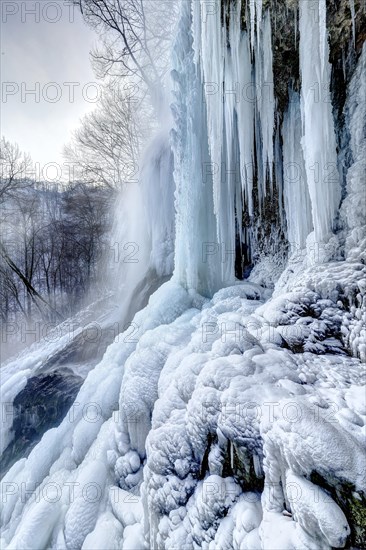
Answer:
(220, 437)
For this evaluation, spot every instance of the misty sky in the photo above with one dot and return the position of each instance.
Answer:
(43, 51)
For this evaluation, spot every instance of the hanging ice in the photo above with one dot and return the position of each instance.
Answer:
(198, 254)
(242, 67)
(240, 106)
(318, 142)
(296, 193)
(265, 100)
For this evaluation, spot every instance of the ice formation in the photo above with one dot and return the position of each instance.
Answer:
(318, 141)
(235, 416)
(296, 191)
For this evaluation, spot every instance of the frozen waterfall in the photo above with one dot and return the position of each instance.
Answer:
(233, 416)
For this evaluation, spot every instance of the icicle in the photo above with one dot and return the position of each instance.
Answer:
(318, 142)
(245, 112)
(196, 31)
(212, 65)
(257, 465)
(265, 103)
(219, 68)
(267, 111)
(265, 94)
(296, 194)
(198, 259)
(352, 8)
(226, 217)
(244, 106)
(279, 167)
(252, 22)
(344, 65)
(323, 35)
(258, 15)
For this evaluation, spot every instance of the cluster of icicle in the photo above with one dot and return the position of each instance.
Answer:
(229, 105)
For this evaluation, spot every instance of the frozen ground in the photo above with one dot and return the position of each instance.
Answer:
(231, 411)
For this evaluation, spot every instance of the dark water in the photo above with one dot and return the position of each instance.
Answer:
(50, 392)
(41, 405)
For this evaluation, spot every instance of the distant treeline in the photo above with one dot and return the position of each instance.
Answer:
(52, 238)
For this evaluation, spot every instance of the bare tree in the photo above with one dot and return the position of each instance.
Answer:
(14, 168)
(51, 242)
(136, 38)
(105, 148)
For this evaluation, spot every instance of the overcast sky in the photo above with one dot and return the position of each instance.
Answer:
(43, 51)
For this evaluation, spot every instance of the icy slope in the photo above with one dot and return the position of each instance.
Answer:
(240, 428)
(252, 416)
(68, 456)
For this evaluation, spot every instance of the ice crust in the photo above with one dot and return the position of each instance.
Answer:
(209, 401)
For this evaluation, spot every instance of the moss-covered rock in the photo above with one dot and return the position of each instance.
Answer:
(353, 504)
